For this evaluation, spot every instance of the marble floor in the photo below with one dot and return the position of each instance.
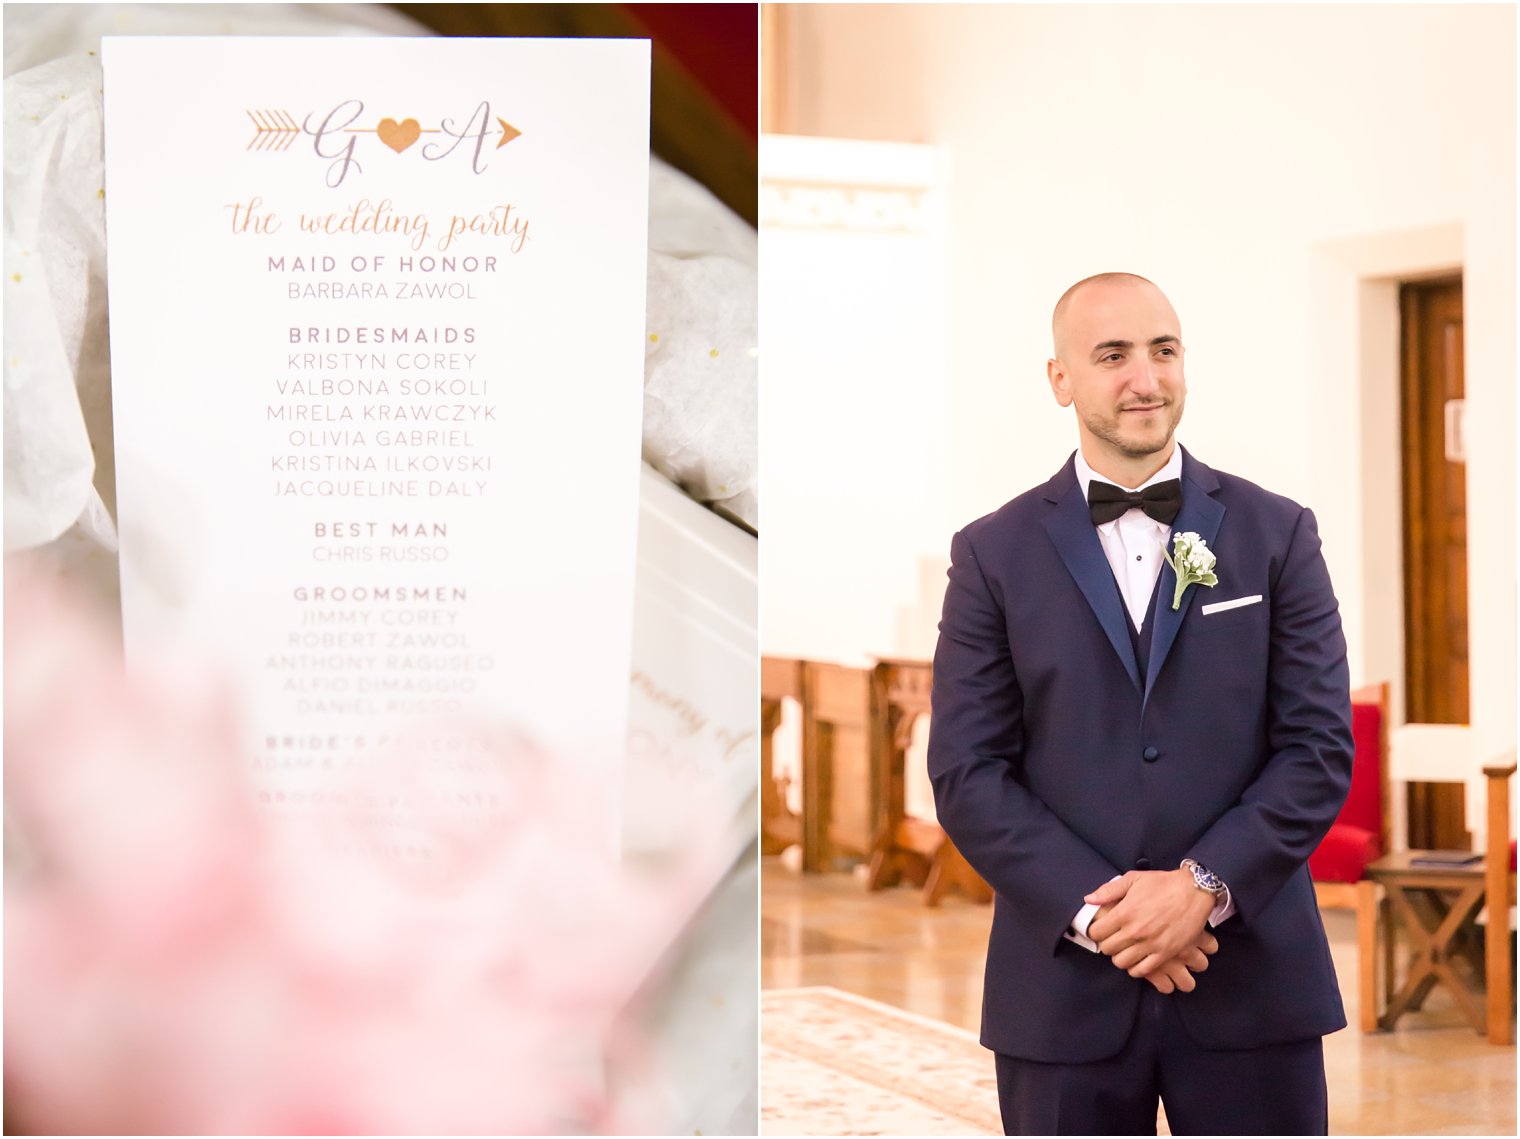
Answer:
(1433, 1076)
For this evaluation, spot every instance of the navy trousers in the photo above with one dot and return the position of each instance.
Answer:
(1277, 1090)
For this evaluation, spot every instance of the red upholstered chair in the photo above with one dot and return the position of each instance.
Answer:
(1359, 836)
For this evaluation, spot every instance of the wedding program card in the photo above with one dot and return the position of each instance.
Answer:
(377, 316)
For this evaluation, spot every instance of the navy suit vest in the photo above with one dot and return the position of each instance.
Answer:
(1140, 640)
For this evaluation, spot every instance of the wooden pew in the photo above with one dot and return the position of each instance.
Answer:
(780, 678)
(906, 846)
(840, 795)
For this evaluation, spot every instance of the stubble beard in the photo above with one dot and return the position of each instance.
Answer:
(1136, 448)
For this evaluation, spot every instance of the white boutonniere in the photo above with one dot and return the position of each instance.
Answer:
(1192, 561)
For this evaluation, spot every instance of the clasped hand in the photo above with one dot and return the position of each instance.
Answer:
(1151, 923)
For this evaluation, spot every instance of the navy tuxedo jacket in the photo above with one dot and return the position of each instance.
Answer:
(1055, 768)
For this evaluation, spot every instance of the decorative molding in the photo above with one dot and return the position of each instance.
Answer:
(800, 204)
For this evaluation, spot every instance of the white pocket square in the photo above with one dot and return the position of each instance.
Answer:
(1221, 606)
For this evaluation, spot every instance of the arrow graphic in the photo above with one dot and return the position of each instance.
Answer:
(277, 130)
(272, 130)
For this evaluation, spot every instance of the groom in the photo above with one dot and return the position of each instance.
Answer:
(1138, 741)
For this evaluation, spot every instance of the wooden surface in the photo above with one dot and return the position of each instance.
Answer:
(1436, 906)
(839, 791)
(1402, 864)
(780, 679)
(908, 847)
(1436, 815)
(1380, 694)
(1499, 886)
(902, 848)
(1364, 897)
(1435, 506)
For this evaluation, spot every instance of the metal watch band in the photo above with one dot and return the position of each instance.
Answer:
(1204, 878)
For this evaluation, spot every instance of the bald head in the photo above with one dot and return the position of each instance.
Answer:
(1118, 362)
(1058, 319)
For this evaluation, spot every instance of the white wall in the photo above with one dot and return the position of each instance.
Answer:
(852, 237)
(1273, 169)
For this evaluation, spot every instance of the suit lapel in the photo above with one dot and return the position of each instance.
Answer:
(1201, 514)
(1076, 540)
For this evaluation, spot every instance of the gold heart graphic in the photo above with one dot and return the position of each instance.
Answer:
(399, 136)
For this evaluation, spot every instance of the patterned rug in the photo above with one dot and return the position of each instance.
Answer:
(832, 1063)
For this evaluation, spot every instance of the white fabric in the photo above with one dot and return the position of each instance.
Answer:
(1079, 924)
(701, 355)
(1223, 606)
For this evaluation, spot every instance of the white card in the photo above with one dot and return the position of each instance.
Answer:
(377, 313)
(693, 748)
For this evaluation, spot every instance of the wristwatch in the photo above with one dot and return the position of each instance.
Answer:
(1204, 878)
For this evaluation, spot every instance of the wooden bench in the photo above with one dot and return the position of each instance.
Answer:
(905, 846)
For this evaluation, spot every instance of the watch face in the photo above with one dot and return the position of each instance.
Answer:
(1206, 878)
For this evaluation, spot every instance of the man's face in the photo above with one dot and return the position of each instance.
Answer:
(1119, 360)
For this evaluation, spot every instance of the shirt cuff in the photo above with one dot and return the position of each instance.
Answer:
(1223, 910)
(1079, 924)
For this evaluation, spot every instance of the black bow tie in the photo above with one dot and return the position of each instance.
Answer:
(1161, 500)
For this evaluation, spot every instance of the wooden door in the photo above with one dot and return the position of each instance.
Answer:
(1435, 541)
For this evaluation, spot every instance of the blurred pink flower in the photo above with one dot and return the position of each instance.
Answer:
(426, 949)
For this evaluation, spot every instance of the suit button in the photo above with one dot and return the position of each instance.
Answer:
(1150, 755)
(1142, 864)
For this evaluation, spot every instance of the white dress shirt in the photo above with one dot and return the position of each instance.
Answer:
(1133, 543)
